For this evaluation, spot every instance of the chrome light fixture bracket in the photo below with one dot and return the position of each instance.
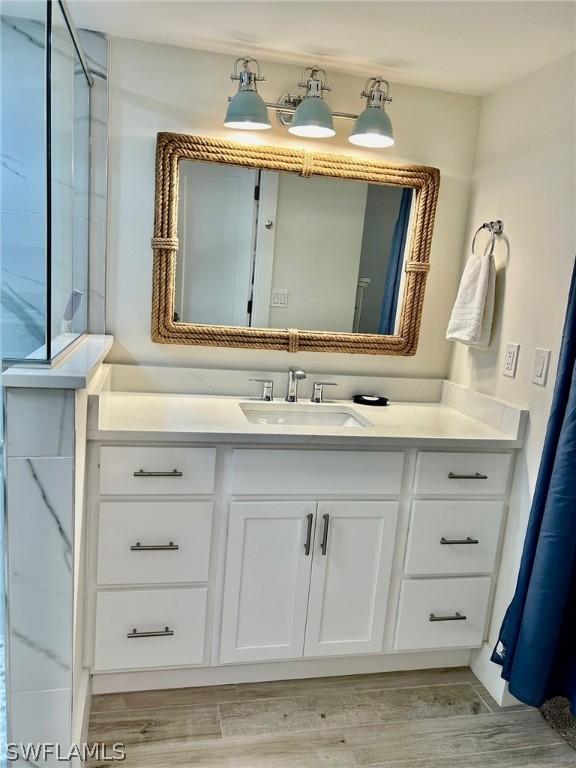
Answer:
(376, 92)
(315, 83)
(247, 76)
(292, 102)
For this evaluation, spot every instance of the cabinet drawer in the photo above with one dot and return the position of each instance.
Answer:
(154, 543)
(178, 611)
(317, 472)
(442, 613)
(450, 537)
(142, 470)
(462, 474)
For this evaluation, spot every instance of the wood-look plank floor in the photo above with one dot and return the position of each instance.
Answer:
(422, 719)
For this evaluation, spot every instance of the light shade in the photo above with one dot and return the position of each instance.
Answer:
(373, 128)
(247, 110)
(312, 119)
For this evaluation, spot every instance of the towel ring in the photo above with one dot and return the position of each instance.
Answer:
(494, 227)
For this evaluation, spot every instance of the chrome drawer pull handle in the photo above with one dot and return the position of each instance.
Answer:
(143, 473)
(308, 542)
(324, 543)
(475, 476)
(456, 617)
(154, 547)
(467, 540)
(166, 632)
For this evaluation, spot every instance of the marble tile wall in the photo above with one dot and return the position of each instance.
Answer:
(40, 535)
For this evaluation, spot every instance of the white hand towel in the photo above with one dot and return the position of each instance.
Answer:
(471, 320)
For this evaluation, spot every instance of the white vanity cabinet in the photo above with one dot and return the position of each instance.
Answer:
(306, 578)
(229, 555)
(351, 568)
(152, 523)
(455, 535)
(268, 567)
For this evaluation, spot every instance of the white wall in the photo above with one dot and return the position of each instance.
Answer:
(525, 175)
(166, 88)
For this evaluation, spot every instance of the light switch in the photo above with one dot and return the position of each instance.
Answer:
(540, 366)
(511, 360)
(279, 298)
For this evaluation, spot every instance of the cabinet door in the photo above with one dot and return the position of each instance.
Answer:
(267, 579)
(351, 569)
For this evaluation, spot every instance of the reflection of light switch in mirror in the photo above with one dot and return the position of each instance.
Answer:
(540, 366)
(279, 298)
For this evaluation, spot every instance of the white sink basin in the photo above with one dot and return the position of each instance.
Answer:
(288, 414)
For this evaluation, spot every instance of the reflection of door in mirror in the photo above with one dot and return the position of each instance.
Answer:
(276, 250)
(216, 220)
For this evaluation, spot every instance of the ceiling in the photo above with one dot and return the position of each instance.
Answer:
(459, 45)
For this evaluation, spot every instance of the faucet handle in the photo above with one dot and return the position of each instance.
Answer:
(267, 389)
(318, 390)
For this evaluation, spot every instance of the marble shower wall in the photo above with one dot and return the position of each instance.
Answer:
(23, 186)
(79, 190)
(95, 46)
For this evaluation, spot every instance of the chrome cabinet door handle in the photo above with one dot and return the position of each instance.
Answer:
(154, 547)
(166, 632)
(144, 473)
(308, 542)
(454, 617)
(324, 544)
(475, 476)
(467, 540)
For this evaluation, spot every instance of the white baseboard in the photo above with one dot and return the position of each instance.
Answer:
(117, 682)
(489, 675)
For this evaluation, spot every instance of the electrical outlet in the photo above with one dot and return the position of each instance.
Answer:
(511, 360)
(540, 366)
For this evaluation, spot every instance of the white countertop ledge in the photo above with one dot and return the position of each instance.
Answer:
(162, 417)
(72, 369)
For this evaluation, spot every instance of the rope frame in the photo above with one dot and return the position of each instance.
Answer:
(173, 147)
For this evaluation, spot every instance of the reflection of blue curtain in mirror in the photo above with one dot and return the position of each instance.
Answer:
(394, 271)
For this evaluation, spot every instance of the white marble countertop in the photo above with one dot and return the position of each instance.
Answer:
(126, 416)
(72, 369)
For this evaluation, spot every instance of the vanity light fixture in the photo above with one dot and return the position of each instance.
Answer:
(309, 116)
(247, 109)
(313, 118)
(373, 127)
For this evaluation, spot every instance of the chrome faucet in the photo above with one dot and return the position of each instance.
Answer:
(294, 376)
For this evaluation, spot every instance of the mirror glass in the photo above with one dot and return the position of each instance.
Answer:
(266, 249)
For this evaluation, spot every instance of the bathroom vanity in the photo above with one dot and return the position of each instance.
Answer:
(235, 539)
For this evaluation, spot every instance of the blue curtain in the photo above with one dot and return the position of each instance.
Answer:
(395, 262)
(537, 644)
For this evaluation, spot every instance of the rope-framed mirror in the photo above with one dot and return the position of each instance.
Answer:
(168, 327)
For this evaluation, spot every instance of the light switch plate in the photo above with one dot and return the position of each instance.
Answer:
(279, 298)
(511, 360)
(540, 366)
